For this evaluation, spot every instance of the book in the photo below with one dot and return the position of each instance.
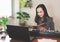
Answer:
(40, 25)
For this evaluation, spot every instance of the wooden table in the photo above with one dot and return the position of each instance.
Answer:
(40, 37)
(14, 40)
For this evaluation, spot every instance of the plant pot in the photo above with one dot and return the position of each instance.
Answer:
(22, 22)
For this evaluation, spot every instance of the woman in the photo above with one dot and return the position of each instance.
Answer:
(42, 19)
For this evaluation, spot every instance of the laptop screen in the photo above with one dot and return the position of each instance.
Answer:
(18, 32)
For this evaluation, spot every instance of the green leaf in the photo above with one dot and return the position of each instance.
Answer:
(23, 15)
(1, 23)
(20, 0)
(18, 17)
(4, 20)
(22, 3)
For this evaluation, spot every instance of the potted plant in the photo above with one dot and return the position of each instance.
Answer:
(3, 22)
(22, 16)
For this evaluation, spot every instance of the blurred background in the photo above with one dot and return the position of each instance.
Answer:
(53, 8)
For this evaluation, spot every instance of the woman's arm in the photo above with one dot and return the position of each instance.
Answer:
(51, 24)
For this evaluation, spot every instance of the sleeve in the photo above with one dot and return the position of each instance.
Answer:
(51, 24)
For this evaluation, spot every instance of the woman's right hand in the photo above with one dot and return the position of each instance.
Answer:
(34, 24)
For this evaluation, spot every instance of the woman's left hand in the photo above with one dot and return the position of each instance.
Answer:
(42, 29)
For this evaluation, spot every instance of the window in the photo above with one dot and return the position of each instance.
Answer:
(5, 8)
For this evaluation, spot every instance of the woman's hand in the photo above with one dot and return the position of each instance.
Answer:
(34, 24)
(42, 29)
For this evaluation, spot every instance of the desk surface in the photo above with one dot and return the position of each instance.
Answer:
(40, 37)
(37, 34)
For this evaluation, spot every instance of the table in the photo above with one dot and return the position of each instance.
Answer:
(15, 33)
(41, 37)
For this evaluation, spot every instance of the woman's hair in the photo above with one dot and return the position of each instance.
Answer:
(45, 13)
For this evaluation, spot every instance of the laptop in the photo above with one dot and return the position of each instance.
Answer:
(19, 33)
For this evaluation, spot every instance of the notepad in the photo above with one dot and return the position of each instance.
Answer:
(46, 40)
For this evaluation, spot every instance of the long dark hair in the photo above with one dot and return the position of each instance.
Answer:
(37, 18)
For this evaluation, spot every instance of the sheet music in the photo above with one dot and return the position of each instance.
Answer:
(46, 40)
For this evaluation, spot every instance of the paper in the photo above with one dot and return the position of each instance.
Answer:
(46, 40)
(7, 39)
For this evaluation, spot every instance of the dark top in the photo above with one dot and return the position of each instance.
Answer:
(49, 23)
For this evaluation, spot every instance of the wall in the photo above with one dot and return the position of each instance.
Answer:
(53, 7)
(15, 9)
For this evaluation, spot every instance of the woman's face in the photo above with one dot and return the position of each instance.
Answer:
(40, 12)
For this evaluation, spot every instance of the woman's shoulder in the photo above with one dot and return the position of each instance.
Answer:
(49, 19)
